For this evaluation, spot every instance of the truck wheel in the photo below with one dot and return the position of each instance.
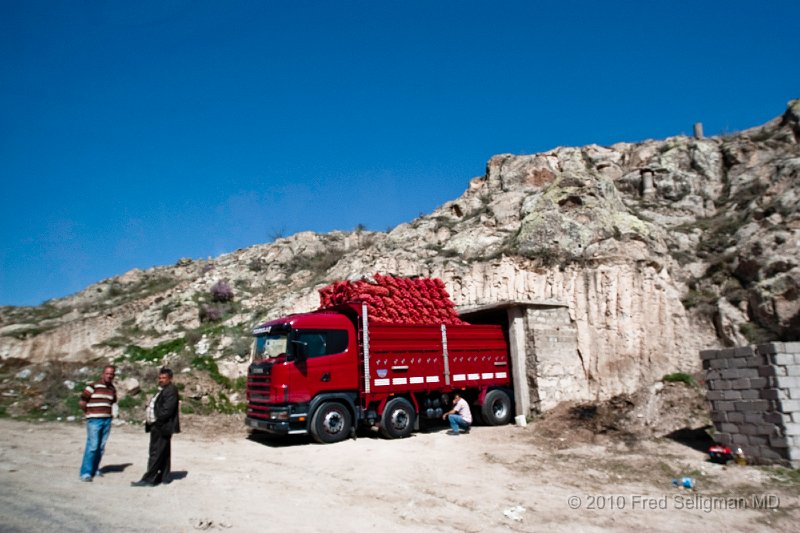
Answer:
(331, 423)
(397, 421)
(496, 408)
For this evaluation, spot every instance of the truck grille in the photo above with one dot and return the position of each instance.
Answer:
(259, 380)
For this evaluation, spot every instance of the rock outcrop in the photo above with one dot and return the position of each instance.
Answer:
(657, 249)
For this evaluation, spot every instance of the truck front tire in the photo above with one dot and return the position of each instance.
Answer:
(331, 423)
(397, 421)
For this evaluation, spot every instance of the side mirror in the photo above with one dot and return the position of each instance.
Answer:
(300, 350)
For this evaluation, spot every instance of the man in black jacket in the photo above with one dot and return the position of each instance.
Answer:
(162, 422)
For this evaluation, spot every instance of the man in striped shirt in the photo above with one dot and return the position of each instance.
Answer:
(96, 401)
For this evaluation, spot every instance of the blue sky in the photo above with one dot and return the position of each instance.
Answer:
(136, 133)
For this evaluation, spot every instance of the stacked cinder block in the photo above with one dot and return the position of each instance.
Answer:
(754, 394)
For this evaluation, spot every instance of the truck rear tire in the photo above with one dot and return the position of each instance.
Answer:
(397, 421)
(496, 408)
(331, 423)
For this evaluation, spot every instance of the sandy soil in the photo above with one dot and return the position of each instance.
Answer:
(504, 478)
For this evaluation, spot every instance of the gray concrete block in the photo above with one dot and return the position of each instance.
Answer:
(737, 362)
(733, 373)
(767, 454)
(791, 429)
(733, 416)
(740, 439)
(754, 418)
(756, 361)
(787, 382)
(723, 438)
(747, 429)
(724, 405)
(727, 353)
(782, 359)
(768, 348)
(792, 347)
(758, 383)
(766, 371)
(748, 406)
(741, 383)
(718, 363)
(719, 416)
(715, 395)
(772, 394)
(712, 375)
(757, 440)
(776, 418)
(779, 442)
(733, 395)
(793, 370)
(769, 430)
(705, 355)
(751, 394)
(722, 384)
(743, 351)
(727, 427)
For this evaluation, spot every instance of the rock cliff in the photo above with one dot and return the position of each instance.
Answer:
(657, 249)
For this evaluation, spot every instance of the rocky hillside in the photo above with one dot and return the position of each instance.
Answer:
(657, 248)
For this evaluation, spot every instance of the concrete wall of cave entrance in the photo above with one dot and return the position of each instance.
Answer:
(546, 366)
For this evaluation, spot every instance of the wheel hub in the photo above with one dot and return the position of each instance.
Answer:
(333, 423)
(399, 419)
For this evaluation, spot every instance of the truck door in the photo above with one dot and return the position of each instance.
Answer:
(327, 364)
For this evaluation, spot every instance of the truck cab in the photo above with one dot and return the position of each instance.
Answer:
(298, 359)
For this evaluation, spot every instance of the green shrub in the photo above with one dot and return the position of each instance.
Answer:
(679, 377)
(207, 363)
(756, 334)
(130, 402)
(154, 354)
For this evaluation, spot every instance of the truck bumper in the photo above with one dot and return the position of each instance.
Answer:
(270, 426)
(276, 427)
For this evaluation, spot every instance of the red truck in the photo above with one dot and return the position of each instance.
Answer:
(328, 371)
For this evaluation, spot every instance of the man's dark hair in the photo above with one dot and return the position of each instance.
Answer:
(167, 371)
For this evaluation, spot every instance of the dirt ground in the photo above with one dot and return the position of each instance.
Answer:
(543, 477)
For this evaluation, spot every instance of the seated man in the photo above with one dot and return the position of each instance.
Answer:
(460, 415)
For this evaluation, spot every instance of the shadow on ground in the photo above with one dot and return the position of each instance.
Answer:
(114, 469)
(695, 438)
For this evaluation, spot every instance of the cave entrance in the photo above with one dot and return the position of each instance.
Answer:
(539, 334)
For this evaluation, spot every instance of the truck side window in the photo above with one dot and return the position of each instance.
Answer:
(321, 342)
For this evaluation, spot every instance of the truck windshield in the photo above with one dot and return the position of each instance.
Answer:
(271, 346)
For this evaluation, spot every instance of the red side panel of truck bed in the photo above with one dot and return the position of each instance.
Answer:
(405, 358)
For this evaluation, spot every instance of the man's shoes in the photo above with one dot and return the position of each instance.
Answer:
(87, 479)
(453, 433)
(466, 430)
(142, 483)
